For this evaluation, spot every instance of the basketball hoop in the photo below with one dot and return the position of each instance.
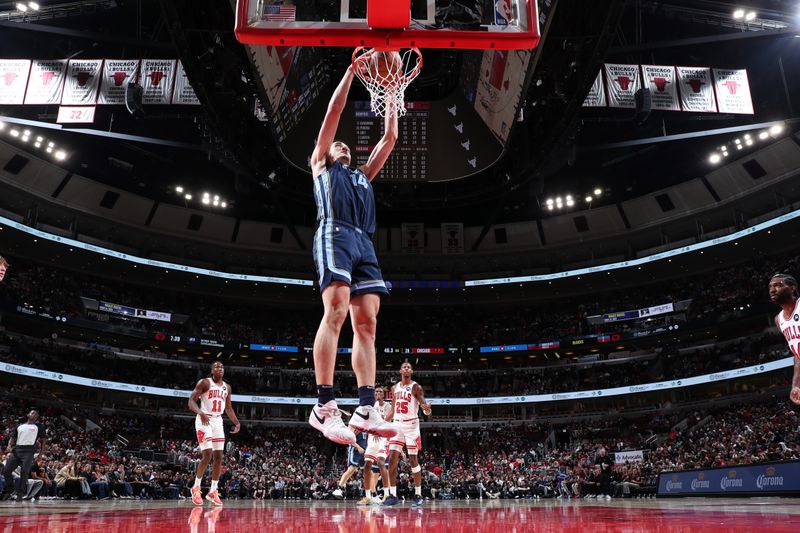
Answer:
(386, 74)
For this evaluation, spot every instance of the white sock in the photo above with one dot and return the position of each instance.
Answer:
(418, 491)
(369, 493)
(383, 491)
(393, 490)
(198, 481)
(213, 485)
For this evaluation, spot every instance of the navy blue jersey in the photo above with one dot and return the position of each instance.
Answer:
(354, 457)
(344, 195)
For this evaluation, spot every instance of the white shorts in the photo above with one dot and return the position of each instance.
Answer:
(408, 437)
(377, 448)
(212, 436)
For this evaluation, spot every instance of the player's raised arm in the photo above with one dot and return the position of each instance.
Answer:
(385, 146)
(330, 124)
(230, 412)
(199, 389)
(419, 394)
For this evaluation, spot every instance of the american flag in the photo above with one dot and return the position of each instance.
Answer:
(279, 13)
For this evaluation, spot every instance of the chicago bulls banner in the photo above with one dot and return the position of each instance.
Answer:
(46, 81)
(733, 91)
(452, 238)
(13, 79)
(117, 74)
(82, 82)
(623, 82)
(157, 78)
(697, 91)
(663, 88)
(413, 237)
(184, 94)
(597, 94)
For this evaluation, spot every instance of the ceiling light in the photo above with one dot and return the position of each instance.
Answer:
(15, 133)
(187, 196)
(738, 14)
(763, 135)
(216, 197)
(598, 192)
(61, 155)
(588, 199)
(25, 138)
(738, 146)
(21, 7)
(737, 141)
(51, 144)
(549, 207)
(33, 5)
(749, 142)
(569, 197)
(776, 129)
(37, 145)
(2, 125)
(206, 195)
(549, 201)
(224, 205)
(216, 203)
(570, 202)
(714, 158)
(49, 149)
(206, 201)
(26, 132)
(178, 189)
(39, 138)
(751, 15)
(746, 135)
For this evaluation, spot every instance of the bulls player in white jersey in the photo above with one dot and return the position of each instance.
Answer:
(376, 455)
(783, 291)
(214, 396)
(407, 399)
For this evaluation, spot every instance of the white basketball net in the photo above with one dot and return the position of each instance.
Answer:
(388, 86)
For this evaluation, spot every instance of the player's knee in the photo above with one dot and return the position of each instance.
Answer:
(335, 315)
(365, 325)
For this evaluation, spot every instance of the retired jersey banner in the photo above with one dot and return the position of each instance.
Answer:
(452, 238)
(733, 91)
(661, 80)
(46, 81)
(157, 78)
(184, 94)
(82, 82)
(117, 74)
(697, 90)
(597, 94)
(623, 82)
(13, 80)
(413, 237)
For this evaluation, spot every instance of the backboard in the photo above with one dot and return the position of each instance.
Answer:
(459, 24)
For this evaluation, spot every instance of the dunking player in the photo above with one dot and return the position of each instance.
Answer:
(214, 396)
(376, 456)
(408, 398)
(3, 267)
(349, 275)
(783, 291)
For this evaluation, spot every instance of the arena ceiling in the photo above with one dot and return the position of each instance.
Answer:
(560, 148)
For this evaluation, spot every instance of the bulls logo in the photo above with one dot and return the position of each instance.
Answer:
(83, 77)
(200, 436)
(731, 85)
(695, 85)
(156, 77)
(47, 77)
(624, 82)
(118, 78)
(660, 83)
(9, 77)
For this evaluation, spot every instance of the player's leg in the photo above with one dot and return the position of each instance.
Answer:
(394, 459)
(413, 444)
(367, 480)
(216, 469)
(384, 475)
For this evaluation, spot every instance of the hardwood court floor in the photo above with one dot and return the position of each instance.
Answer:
(494, 516)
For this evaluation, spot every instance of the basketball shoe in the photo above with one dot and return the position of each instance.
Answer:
(364, 501)
(197, 496)
(328, 420)
(391, 500)
(213, 497)
(367, 419)
(418, 501)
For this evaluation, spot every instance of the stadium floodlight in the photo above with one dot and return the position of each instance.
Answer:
(205, 200)
(738, 146)
(588, 199)
(570, 202)
(549, 207)
(178, 189)
(34, 6)
(49, 149)
(746, 136)
(749, 142)
(14, 133)
(763, 135)
(737, 141)
(751, 15)
(187, 196)
(216, 203)
(738, 14)
(224, 205)
(776, 129)
(22, 7)
(714, 158)
(61, 155)
(549, 201)
(598, 191)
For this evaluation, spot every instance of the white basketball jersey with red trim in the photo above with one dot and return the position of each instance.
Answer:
(212, 402)
(382, 409)
(406, 405)
(791, 329)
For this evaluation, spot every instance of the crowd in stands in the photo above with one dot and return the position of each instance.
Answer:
(667, 363)
(86, 461)
(714, 297)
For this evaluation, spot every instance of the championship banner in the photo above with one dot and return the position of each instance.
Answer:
(623, 82)
(661, 80)
(46, 81)
(157, 77)
(117, 74)
(733, 91)
(633, 456)
(183, 94)
(452, 238)
(82, 82)
(597, 94)
(697, 90)
(413, 237)
(13, 80)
